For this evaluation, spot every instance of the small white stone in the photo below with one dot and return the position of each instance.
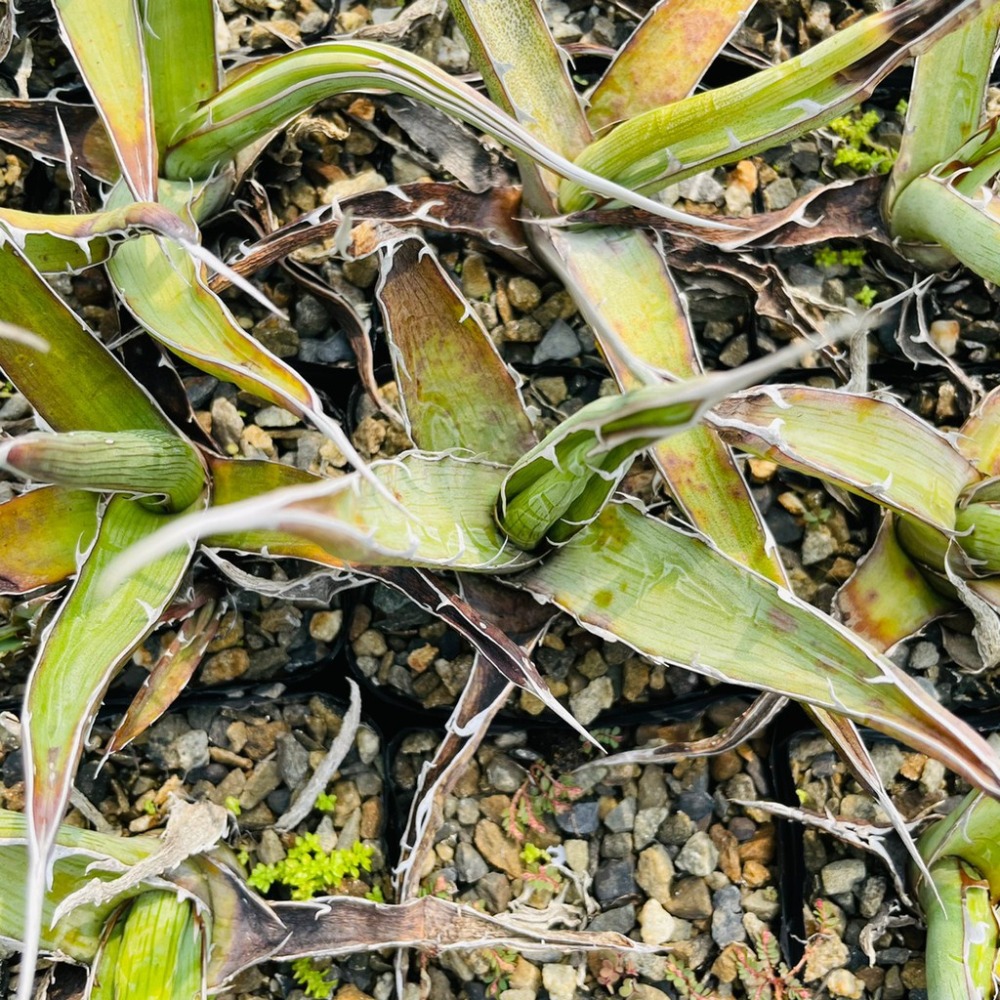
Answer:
(560, 981)
(657, 925)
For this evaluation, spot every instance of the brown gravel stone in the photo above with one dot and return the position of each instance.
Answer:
(225, 666)
(760, 847)
(729, 855)
(725, 765)
(498, 849)
(371, 819)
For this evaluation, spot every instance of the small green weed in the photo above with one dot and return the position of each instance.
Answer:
(540, 794)
(866, 295)
(307, 870)
(860, 151)
(315, 981)
(325, 803)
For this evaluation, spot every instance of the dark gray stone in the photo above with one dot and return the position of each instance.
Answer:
(469, 863)
(581, 819)
(560, 343)
(697, 804)
(614, 882)
(727, 916)
(619, 918)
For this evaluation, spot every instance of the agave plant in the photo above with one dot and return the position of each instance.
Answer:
(724, 608)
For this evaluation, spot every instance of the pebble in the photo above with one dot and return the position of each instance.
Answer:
(325, 626)
(523, 294)
(476, 282)
(498, 849)
(699, 855)
(614, 881)
(622, 817)
(689, 899)
(560, 981)
(620, 919)
(695, 804)
(577, 855)
(494, 889)
(655, 873)
(676, 829)
(779, 194)
(839, 877)
(587, 704)
(657, 925)
(263, 780)
(763, 903)
(293, 760)
(727, 916)
(826, 954)
(370, 643)
(225, 666)
(702, 188)
(871, 896)
(581, 819)
(503, 774)
(842, 983)
(311, 318)
(817, 545)
(647, 822)
(560, 343)
(469, 863)
(187, 752)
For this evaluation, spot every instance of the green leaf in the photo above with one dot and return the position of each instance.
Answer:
(91, 637)
(674, 598)
(623, 287)
(945, 105)
(74, 242)
(166, 291)
(273, 92)
(772, 106)
(872, 447)
(961, 931)
(440, 515)
(77, 383)
(887, 598)
(179, 40)
(456, 391)
(164, 469)
(979, 440)
(563, 482)
(106, 40)
(932, 209)
(42, 533)
(665, 57)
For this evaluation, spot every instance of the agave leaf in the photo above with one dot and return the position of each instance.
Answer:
(523, 70)
(672, 597)
(624, 289)
(665, 57)
(932, 209)
(979, 440)
(563, 482)
(456, 391)
(106, 40)
(526, 75)
(166, 292)
(962, 932)
(345, 925)
(887, 598)
(945, 105)
(865, 445)
(179, 41)
(236, 480)
(168, 676)
(723, 125)
(357, 525)
(275, 91)
(76, 383)
(161, 467)
(91, 636)
(81, 857)
(42, 533)
(74, 242)
(159, 932)
(39, 126)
